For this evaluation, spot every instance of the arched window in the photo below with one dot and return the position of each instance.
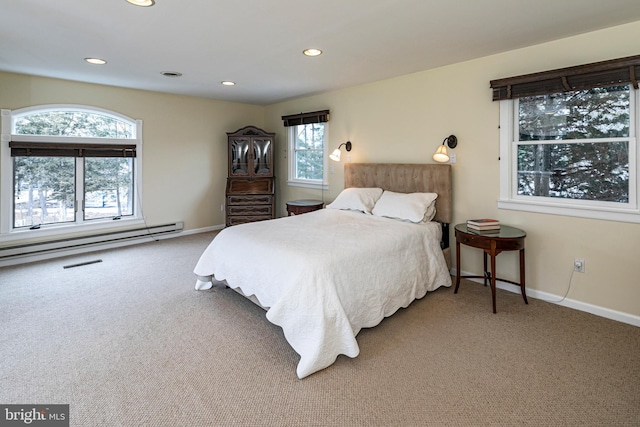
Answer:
(69, 165)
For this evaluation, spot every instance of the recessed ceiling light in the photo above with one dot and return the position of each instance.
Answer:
(312, 52)
(228, 83)
(171, 73)
(95, 61)
(143, 3)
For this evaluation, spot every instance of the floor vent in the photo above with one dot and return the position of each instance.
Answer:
(42, 250)
(82, 264)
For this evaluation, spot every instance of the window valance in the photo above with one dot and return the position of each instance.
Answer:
(45, 149)
(306, 118)
(581, 77)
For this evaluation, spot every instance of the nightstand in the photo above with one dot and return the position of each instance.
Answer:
(297, 207)
(507, 239)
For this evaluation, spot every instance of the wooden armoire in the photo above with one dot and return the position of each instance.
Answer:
(250, 183)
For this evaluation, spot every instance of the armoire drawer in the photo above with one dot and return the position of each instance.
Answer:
(249, 199)
(243, 219)
(250, 210)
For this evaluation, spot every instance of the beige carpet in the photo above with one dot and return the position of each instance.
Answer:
(129, 342)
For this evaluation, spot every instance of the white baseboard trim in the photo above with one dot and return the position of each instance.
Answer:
(202, 230)
(102, 246)
(567, 302)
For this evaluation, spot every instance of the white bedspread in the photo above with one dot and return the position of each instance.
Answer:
(327, 274)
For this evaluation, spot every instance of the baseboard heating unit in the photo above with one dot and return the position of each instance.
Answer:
(28, 252)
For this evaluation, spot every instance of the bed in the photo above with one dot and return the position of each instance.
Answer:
(323, 276)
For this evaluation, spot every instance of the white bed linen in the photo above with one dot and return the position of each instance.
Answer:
(325, 275)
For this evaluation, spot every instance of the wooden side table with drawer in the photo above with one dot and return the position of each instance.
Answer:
(507, 239)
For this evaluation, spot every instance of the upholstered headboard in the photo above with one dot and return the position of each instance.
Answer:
(406, 178)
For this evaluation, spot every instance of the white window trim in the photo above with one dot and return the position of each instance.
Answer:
(7, 233)
(308, 183)
(629, 212)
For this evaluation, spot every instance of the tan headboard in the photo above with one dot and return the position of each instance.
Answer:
(406, 178)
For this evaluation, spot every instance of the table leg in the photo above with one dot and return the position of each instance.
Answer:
(522, 288)
(487, 275)
(493, 277)
(457, 267)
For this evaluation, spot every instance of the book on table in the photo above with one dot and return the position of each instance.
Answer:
(489, 232)
(483, 225)
(483, 222)
(495, 228)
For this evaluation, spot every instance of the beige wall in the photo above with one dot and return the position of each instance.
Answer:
(184, 141)
(404, 119)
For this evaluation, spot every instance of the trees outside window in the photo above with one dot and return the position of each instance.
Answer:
(44, 190)
(108, 189)
(307, 145)
(309, 150)
(575, 145)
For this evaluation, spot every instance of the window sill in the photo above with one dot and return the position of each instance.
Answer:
(620, 215)
(314, 185)
(68, 229)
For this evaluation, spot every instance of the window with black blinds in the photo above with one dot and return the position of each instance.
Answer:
(306, 118)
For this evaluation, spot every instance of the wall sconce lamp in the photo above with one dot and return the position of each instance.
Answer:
(335, 156)
(441, 154)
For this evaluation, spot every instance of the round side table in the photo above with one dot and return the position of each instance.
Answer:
(297, 207)
(506, 239)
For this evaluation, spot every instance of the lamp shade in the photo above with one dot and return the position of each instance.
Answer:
(441, 154)
(335, 156)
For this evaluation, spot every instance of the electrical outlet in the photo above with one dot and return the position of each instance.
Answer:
(452, 158)
(222, 207)
(578, 265)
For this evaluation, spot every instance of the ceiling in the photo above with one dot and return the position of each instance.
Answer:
(258, 44)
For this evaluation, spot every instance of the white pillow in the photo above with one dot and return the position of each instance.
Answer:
(357, 199)
(414, 207)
